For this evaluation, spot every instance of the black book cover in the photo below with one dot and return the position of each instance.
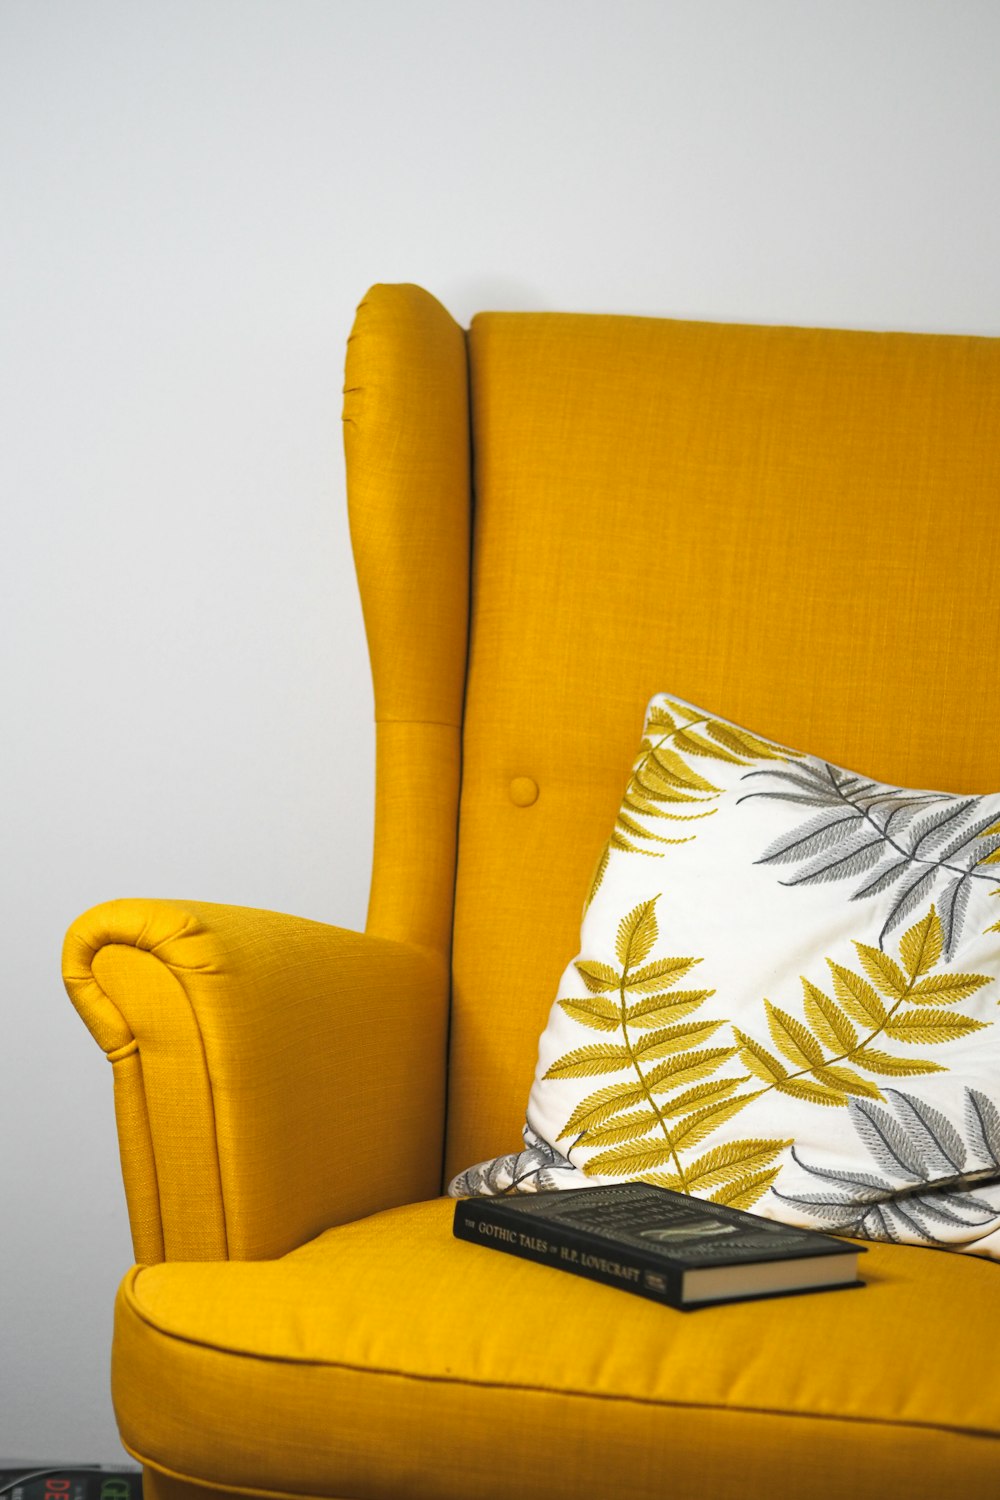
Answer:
(659, 1244)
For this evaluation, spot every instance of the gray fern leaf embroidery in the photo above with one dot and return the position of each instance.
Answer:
(982, 1127)
(927, 1167)
(920, 845)
(537, 1169)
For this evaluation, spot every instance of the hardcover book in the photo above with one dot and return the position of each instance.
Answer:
(674, 1249)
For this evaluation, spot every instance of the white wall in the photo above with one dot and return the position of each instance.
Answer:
(193, 196)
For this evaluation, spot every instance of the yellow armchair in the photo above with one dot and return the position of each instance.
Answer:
(254, 1055)
(553, 518)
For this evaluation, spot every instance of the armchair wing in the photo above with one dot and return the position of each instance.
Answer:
(273, 1076)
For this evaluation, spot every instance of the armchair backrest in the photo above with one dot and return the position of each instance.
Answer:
(796, 528)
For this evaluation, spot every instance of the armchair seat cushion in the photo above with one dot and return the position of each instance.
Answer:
(460, 1370)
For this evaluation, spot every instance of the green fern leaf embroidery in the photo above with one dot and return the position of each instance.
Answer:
(812, 1093)
(888, 1066)
(930, 1026)
(595, 1011)
(663, 765)
(626, 1127)
(665, 972)
(654, 1010)
(758, 1059)
(636, 934)
(664, 784)
(886, 975)
(921, 947)
(834, 1034)
(601, 1106)
(695, 1127)
(673, 1039)
(728, 1164)
(686, 1068)
(585, 1061)
(857, 996)
(745, 1192)
(702, 1094)
(630, 1161)
(672, 1102)
(846, 1081)
(598, 977)
(944, 989)
(832, 1025)
(792, 1038)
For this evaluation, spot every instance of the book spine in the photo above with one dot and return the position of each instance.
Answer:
(482, 1221)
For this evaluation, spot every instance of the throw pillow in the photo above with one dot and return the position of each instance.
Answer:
(785, 997)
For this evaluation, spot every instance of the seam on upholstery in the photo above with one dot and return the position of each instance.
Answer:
(440, 723)
(222, 1489)
(156, 1249)
(544, 1390)
(175, 973)
(469, 603)
(211, 1100)
(118, 1054)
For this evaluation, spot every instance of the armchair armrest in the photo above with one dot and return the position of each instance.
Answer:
(273, 1076)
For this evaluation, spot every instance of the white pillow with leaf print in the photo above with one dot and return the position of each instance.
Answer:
(785, 997)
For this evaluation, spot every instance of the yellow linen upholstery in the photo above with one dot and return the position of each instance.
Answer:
(255, 1103)
(795, 527)
(406, 439)
(387, 1334)
(553, 518)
